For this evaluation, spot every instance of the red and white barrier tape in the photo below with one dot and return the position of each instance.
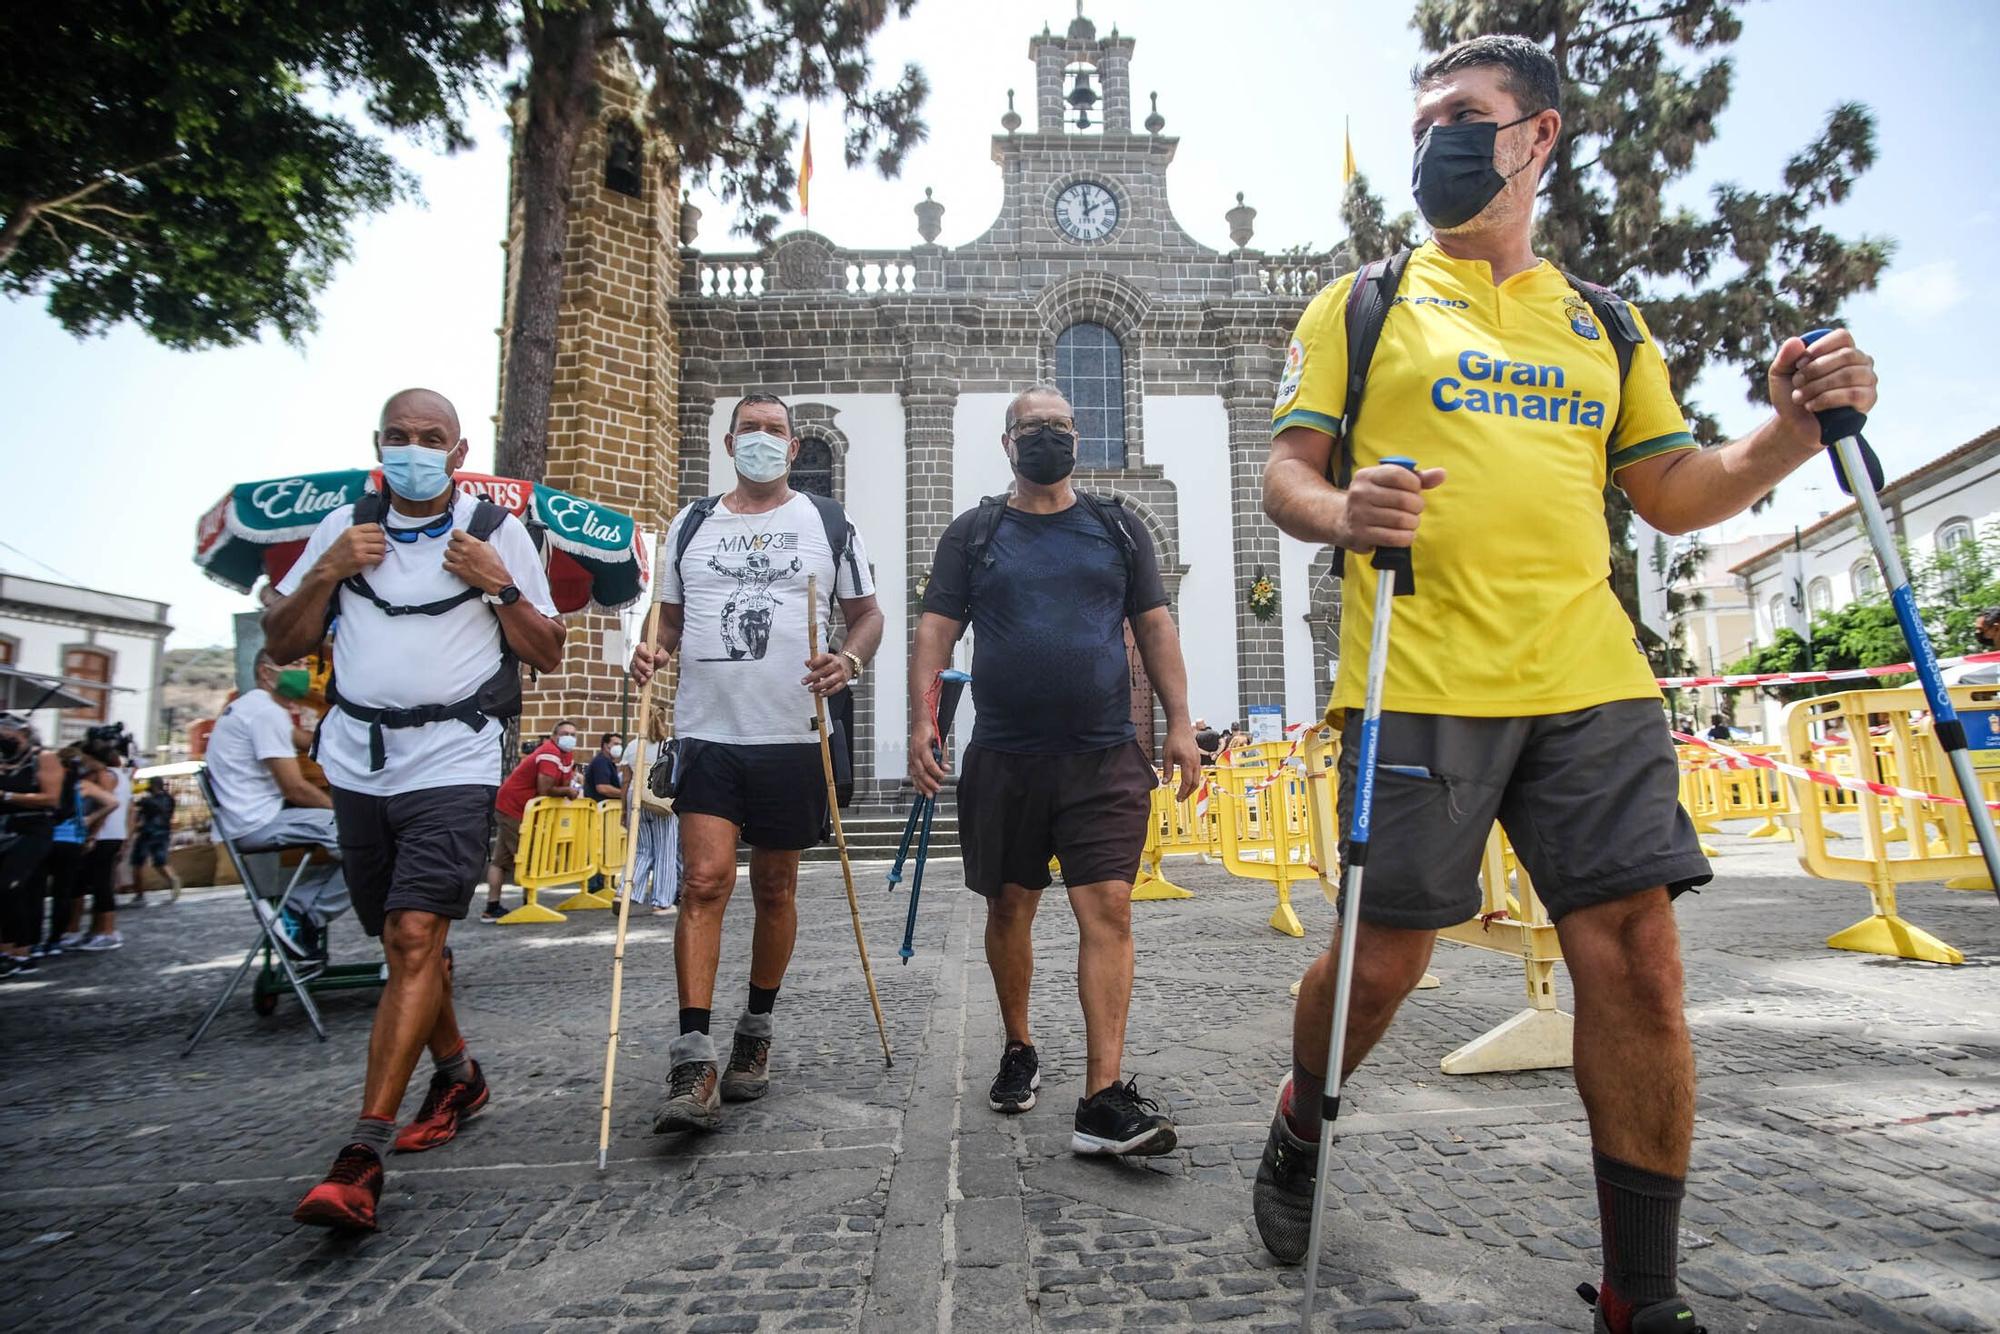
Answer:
(1812, 678)
(1738, 760)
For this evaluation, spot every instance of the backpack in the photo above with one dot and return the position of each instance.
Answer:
(839, 532)
(1368, 303)
(498, 697)
(1109, 511)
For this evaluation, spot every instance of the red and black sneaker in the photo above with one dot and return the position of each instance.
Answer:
(347, 1198)
(448, 1103)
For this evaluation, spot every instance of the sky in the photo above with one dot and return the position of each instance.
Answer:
(115, 446)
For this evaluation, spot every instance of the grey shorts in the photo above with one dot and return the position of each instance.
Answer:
(419, 851)
(1589, 799)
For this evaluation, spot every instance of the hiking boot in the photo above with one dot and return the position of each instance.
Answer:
(1671, 1316)
(1281, 1199)
(694, 1094)
(448, 1104)
(748, 1075)
(347, 1198)
(1020, 1075)
(1116, 1120)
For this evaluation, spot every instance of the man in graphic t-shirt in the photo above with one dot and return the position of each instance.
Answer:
(732, 593)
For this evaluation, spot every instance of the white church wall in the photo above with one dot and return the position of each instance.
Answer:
(1188, 437)
(1307, 684)
(875, 498)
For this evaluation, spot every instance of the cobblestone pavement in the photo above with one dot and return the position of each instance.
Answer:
(1846, 1167)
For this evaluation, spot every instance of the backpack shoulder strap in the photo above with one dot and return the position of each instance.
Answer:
(839, 534)
(486, 519)
(985, 523)
(1368, 302)
(372, 507)
(697, 515)
(1110, 512)
(1614, 312)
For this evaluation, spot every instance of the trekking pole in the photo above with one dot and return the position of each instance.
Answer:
(943, 697)
(639, 773)
(1394, 579)
(909, 835)
(1860, 475)
(833, 809)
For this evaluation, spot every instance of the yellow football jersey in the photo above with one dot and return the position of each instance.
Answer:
(1512, 389)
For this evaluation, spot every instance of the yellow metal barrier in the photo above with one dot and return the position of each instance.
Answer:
(1175, 829)
(607, 847)
(1264, 830)
(1907, 749)
(556, 849)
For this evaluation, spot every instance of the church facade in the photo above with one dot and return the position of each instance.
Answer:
(899, 366)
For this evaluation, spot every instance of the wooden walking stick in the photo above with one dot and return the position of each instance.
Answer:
(640, 770)
(833, 809)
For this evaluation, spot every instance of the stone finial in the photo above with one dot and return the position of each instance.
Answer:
(1155, 122)
(690, 220)
(930, 216)
(1239, 220)
(1012, 120)
(1081, 29)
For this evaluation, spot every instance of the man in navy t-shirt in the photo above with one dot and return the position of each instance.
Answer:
(1050, 580)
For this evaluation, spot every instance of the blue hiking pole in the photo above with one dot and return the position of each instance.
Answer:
(909, 836)
(1860, 475)
(946, 692)
(1394, 579)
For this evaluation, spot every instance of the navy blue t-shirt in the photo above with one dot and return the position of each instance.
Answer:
(603, 769)
(1048, 605)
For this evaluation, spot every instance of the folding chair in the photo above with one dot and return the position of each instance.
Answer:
(278, 971)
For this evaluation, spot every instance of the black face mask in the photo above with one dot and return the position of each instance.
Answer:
(1453, 176)
(10, 745)
(1046, 457)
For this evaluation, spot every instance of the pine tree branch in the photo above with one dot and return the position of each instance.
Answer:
(1594, 35)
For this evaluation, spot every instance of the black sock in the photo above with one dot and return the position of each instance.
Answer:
(1641, 1215)
(762, 998)
(693, 1020)
(1307, 1090)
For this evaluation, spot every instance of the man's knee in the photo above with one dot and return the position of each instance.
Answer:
(1389, 962)
(412, 939)
(774, 881)
(707, 884)
(1013, 908)
(1629, 949)
(1103, 911)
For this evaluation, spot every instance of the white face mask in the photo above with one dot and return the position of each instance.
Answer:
(761, 456)
(616, 752)
(565, 743)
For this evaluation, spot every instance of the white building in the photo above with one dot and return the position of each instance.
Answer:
(86, 636)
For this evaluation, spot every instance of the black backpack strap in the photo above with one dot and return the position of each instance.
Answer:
(697, 515)
(839, 535)
(1109, 511)
(486, 520)
(985, 523)
(1613, 312)
(1368, 302)
(372, 507)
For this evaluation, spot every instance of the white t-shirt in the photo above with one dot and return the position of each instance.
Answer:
(382, 661)
(112, 830)
(743, 643)
(253, 729)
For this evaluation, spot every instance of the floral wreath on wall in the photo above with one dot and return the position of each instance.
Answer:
(1262, 597)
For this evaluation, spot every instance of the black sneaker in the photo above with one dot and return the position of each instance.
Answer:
(1116, 1120)
(1281, 1200)
(1020, 1075)
(1668, 1317)
(492, 912)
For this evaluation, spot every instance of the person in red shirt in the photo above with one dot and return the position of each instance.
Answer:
(548, 770)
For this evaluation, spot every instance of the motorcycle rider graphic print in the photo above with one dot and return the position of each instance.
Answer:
(747, 615)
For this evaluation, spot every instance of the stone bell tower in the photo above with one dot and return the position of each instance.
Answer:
(613, 409)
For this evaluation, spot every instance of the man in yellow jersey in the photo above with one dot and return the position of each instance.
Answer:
(1516, 690)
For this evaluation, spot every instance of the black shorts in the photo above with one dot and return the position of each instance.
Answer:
(1589, 799)
(150, 848)
(775, 794)
(1017, 811)
(423, 851)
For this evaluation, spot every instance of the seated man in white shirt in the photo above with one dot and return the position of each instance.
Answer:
(265, 801)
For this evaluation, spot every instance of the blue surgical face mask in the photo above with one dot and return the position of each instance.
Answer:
(416, 472)
(761, 456)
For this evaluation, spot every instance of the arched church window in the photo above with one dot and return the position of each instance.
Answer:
(624, 160)
(813, 469)
(1090, 371)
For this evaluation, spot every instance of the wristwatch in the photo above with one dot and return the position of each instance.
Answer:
(506, 597)
(853, 663)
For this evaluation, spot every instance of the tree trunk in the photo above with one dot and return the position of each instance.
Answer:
(16, 228)
(562, 72)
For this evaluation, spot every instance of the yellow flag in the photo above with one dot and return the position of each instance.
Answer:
(1347, 170)
(806, 175)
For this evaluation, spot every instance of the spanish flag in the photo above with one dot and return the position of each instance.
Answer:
(806, 175)
(1347, 170)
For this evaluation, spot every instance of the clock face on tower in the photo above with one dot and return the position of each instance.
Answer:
(1086, 211)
